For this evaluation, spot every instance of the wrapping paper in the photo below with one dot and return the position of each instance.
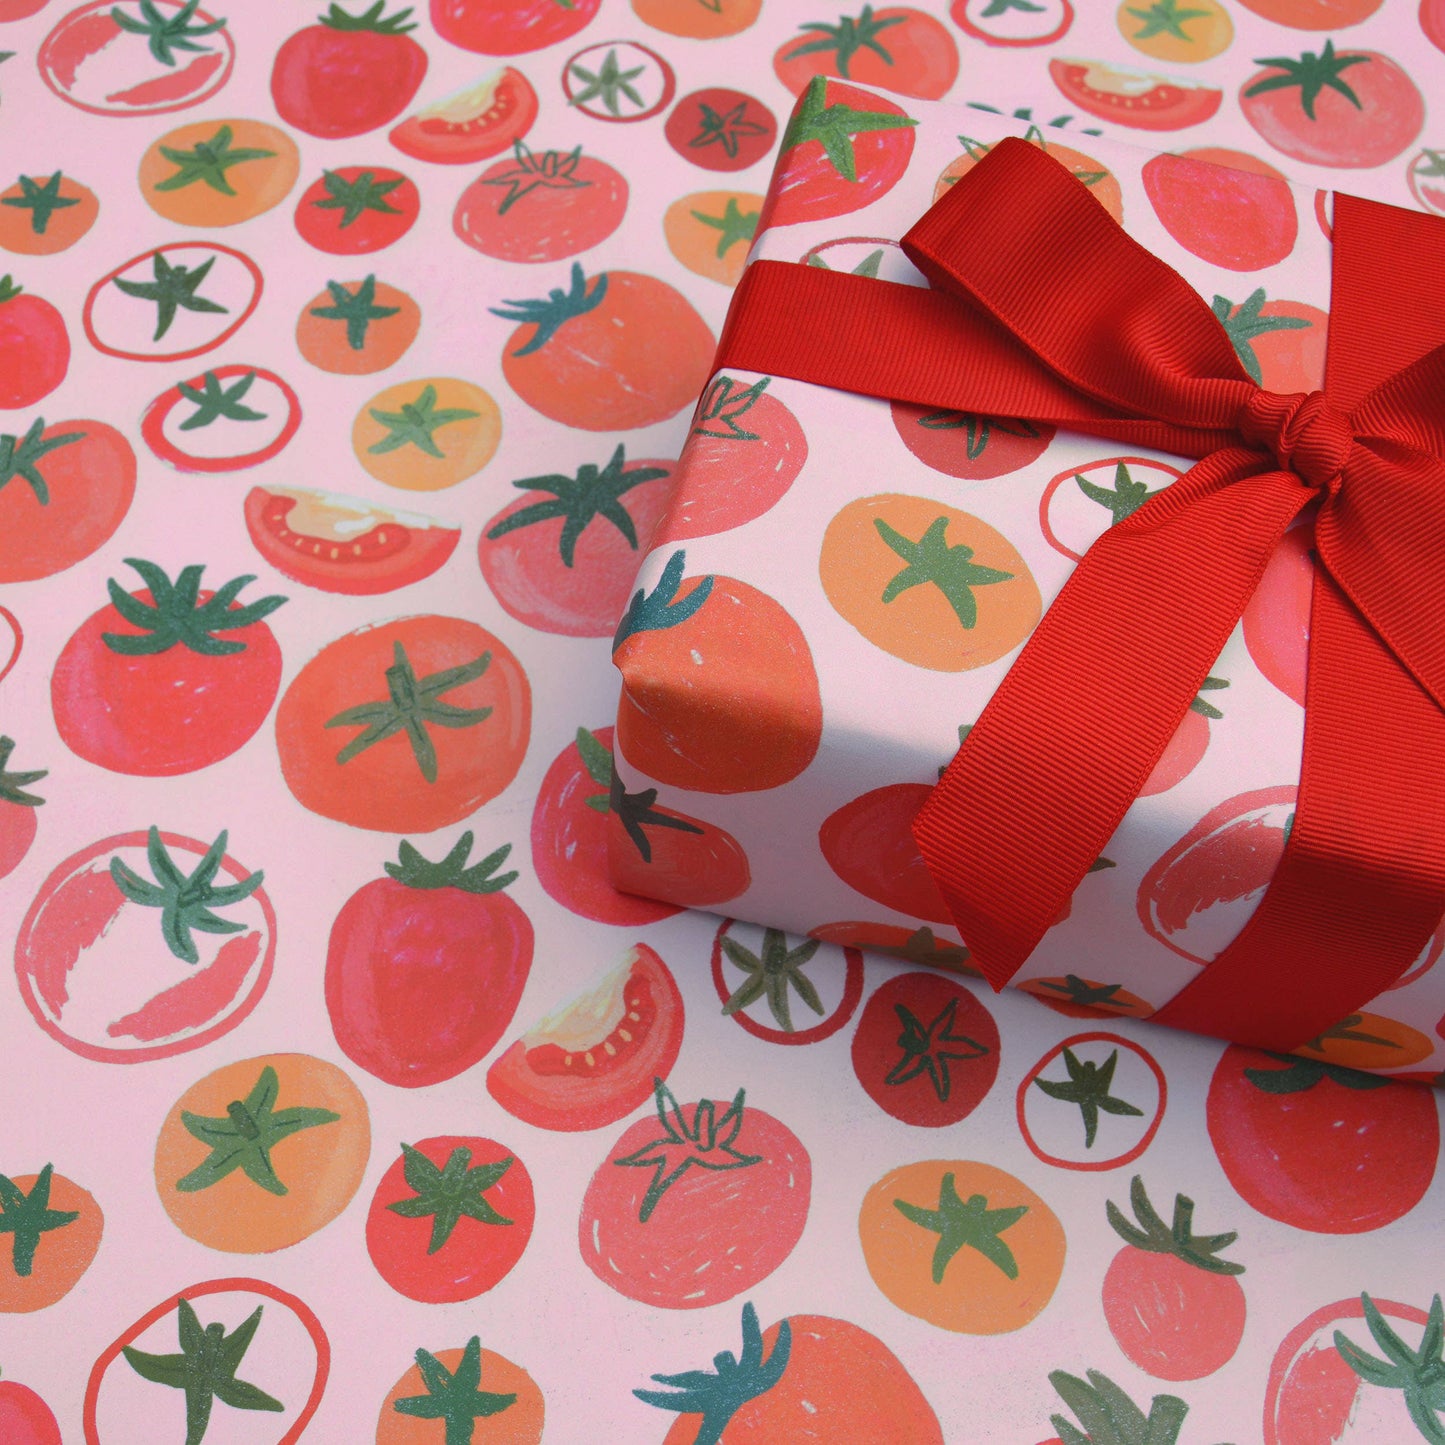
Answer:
(228, 1129)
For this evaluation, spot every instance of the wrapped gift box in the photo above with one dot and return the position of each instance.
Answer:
(802, 659)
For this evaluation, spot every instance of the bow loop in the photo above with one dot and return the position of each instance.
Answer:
(1305, 433)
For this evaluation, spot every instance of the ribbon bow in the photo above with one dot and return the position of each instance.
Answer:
(1043, 307)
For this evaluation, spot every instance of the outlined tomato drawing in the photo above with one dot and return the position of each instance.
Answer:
(356, 327)
(764, 983)
(1224, 206)
(18, 808)
(471, 124)
(173, 302)
(50, 1230)
(1135, 98)
(596, 1057)
(343, 544)
(41, 215)
(354, 210)
(260, 1154)
(348, 73)
(218, 172)
(963, 1245)
(898, 47)
(1080, 504)
(926, 1049)
(137, 57)
(511, 30)
(450, 1218)
(1012, 24)
(619, 81)
(405, 726)
(1094, 1101)
(428, 434)
(223, 420)
(1426, 174)
(665, 1233)
(34, 346)
(425, 967)
(465, 1388)
(145, 945)
(721, 129)
(237, 1343)
(64, 489)
(806, 1377)
(169, 678)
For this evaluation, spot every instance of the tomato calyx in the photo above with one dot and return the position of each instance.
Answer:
(172, 289)
(927, 1049)
(1026, 112)
(1346, 1031)
(163, 34)
(549, 314)
(733, 226)
(723, 405)
(1073, 989)
(734, 1380)
(412, 705)
(1311, 73)
(659, 609)
(931, 560)
(608, 82)
(1164, 17)
(453, 871)
(205, 1368)
(597, 759)
(42, 201)
(834, 126)
(176, 615)
(845, 39)
(1208, 709)
(1299, 1076)
(458, 1188)
(961, 1223)
(552, 170)
(634, 810)
(1107, 1413)
(187, 901)
(776, 972)
(454, 1397)
(245, 1135)
(922, 946)
(704, 1140)
(372, 19)
(358, 309)
(28, 1216)
(1121, 500)
(214, 400)
(13, 784)
(208, 161)
(1153, 1236)
(978, 429)
(353, 198)
(1417, 1373)
(724, 128)
(416, 424)
(593, 492)
(1088, 1086)
(1243, 322)
(9, 289)
(19, 456)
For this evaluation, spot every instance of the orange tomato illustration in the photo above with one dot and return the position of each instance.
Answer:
(40, 215)
(218, 172)
(493, 1401)
(698, 19)
(50, 1231)
(1094, 174)
(357, 327)
(428, 434)
(710, 232)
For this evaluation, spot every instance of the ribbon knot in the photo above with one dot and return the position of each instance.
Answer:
(1305, 433)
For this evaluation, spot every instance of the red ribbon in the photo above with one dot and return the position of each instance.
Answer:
(1043, 307)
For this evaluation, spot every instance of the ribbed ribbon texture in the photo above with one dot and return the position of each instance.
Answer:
(1041, 306)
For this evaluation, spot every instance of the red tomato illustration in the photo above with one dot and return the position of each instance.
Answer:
(347, 73)
(510, 29)
(963, 444)
(915, 945)
(744, 451)
(1353, 108)
(562, 557)
(18, 806)
(897, 47)
(1173, 1302)
(470, 124)
(843, 148)
(278, 1361)
(34, 346)
(425, 967)
(1134, 97)
(807, 1377)
(215, 423)
(145, 945)
(569, 836)
(926, 1050)
(354, 210)
(1318, 1146)
(1186, 748)
(1314, 14)
(167, 679)
(665, 1233)
(1035, 22)
(1281, 344)
(19, 9)
(134, 58)
(721, 129)
(622, 350)
(595, 1058)
(618, 81)
(1277, 620)
(64, 489)
(25, 1419)
(342, 544)
(541, 207)
(1432, 22)
(450, 1218)
(1224, 206)
(869, 844)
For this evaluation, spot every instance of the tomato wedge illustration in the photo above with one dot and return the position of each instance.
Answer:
(1134, 97)
(223, 420)
(480, 120)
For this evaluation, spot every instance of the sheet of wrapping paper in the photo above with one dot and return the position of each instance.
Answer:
(875, 1095)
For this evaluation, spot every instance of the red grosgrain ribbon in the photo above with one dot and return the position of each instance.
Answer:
(1043, 307)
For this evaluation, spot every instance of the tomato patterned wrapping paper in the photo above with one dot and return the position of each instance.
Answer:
(803, 658)
(346, 1100)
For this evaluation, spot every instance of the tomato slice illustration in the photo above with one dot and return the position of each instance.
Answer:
(480, 120)
(1134, 97)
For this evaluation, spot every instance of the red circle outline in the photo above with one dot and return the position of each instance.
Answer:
(958, 13)
(669, 81)
(153, 420)
(1063, 476)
